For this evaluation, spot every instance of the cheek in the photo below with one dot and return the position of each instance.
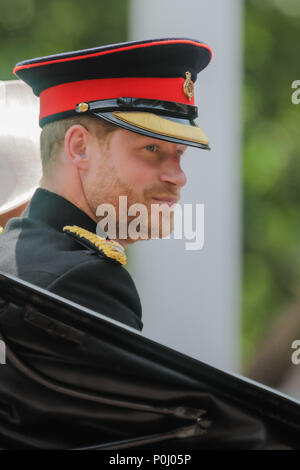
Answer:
(131, 167)
(141, 177)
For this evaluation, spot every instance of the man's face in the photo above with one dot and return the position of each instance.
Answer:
(144, 169)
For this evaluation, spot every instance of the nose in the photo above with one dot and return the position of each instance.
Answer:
(173, 173)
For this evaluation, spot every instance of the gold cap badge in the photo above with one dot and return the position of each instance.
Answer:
(83, 107)
(188, 86)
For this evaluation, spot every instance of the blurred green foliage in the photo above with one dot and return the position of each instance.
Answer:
(34, 28)
(271, 167)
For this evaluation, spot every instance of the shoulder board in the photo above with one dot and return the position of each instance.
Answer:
(110, 248)
(1, 229)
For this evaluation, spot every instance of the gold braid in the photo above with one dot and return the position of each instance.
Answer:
(110, 248)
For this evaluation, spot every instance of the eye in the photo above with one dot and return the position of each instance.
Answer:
(151, 148)
(180, 152)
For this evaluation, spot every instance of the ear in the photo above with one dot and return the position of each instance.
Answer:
(76, 145)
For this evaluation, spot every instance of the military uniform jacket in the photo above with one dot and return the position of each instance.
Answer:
(34, 247)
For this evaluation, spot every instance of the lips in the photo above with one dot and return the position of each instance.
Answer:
(165, 200)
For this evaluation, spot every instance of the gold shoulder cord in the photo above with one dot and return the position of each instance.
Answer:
(110, 248)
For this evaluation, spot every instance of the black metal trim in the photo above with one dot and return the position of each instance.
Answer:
(164, 108)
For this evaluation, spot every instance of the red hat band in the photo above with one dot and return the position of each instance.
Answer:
(65, 97)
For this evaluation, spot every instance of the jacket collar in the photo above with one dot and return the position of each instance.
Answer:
(56, 211)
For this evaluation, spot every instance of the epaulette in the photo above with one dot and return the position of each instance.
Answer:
(110, 248)
(1, 229)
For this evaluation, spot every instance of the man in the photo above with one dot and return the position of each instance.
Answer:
(116, 120)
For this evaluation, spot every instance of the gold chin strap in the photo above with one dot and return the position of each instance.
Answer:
(1, 229)
(110, 248)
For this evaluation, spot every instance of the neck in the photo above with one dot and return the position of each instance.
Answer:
(81, 203)
(78, 200)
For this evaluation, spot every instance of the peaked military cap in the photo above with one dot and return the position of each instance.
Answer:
(143, 86)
